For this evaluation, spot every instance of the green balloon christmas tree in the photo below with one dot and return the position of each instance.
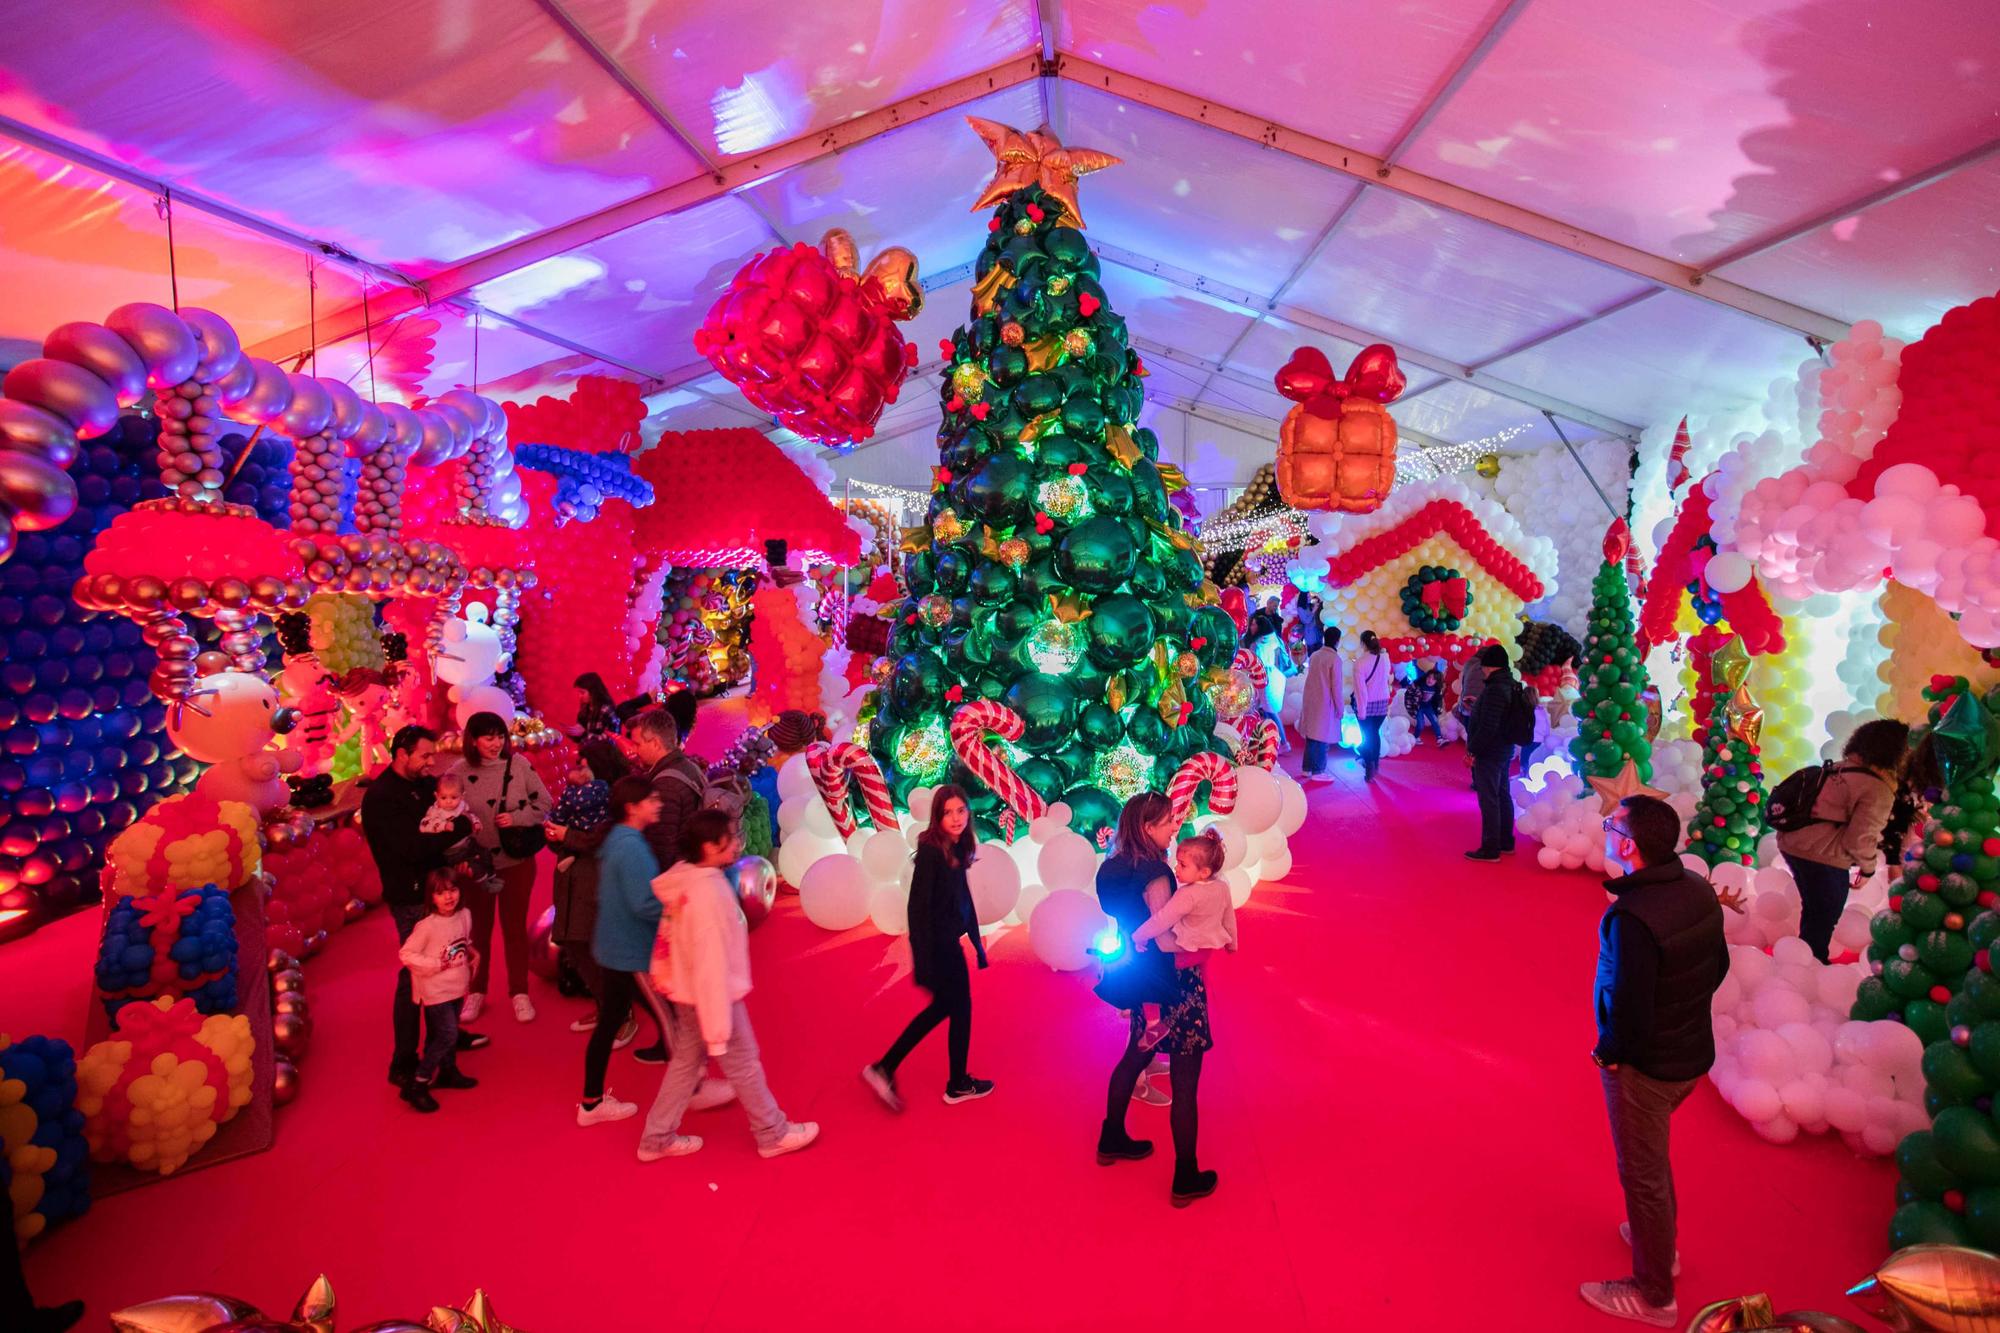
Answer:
(1051, 574)
(1729, 818)
(1934, 945)
(1612, 675)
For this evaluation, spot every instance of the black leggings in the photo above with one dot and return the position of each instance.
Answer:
(592, 977)
(617, 992)
(1185, 1077)
(948, 1004)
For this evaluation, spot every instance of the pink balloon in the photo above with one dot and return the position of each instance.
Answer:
(70, 392)
(161, 338)
(102, 353)
(221, 351)
(311, 410)
(33, 430)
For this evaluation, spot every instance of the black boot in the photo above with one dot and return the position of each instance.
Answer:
(418, 1095)
(1115, 1145)
(1191, 1184)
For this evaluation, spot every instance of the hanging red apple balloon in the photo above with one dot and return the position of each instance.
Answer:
(812, 340)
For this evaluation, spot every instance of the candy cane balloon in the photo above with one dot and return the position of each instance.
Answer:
(1207, 767)
(1260, 743)
(1248, 662)
(969, 726)
(831, 765)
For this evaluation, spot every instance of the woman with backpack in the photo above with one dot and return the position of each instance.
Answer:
(1830, 823)
(1374, 682)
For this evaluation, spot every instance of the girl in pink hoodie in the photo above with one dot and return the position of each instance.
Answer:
(701, 963)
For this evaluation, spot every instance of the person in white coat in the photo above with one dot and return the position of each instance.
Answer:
(1374, 682)
(1324, 705)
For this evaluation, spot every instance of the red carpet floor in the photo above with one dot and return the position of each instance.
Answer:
(1400, 1103)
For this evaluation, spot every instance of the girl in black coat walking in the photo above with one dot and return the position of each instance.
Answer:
(940, 912)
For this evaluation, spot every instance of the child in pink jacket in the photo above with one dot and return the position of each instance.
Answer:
(701, 963)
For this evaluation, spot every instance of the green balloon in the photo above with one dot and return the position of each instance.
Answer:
(992, 583)
(1083, 417)
(1121, 629)
(1091, 809)
(1149, 493)
(1958, 890)
(1948, 1068)
(1047, 706)
(1983, 989)
(1066, 247)
(1926, 1223)
(917, 682)
(1923, 911)
(1926, 1019)
(1984, 1050)
(998, 490)
(1046, 778)
(1968, 1143)
(1057, 452)
(1096, 555)
(1015, 621)
(919, 571)
(1916, 1157)
(1170, 616)
(1006, 365)
(1146, 730)
(1218, 632)
(1110, 492)
(1099, 727)
(1873, 1001)
(1183, 571)
(1150, 582)
(1039, 578)
(1944, 952)
(1982, 1216)
(1889, 930)
(1984, 932)
(952, 566)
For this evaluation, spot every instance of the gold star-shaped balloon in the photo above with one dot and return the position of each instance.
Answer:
(1035, 158)
(1033, 430)
(914, 539)
(1171, 478)
(1042, 353)
(1746, 719)
(1116, 692)
(480, 1310)
(315, 1309)
(1611, 792)
(1119, 444)
(1069, 607)
(986, 292)
(1730, 664)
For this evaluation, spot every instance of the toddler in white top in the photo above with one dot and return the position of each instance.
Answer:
(439, 955)
(447, 806)
(1199, 919)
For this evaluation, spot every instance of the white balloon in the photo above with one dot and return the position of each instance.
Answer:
(920, 805)
(1235, 843)
(483, 699)
(795, 779)
(835, 893)
(883, 853)
(858, 839)
(1258, 799)
(995, 881)
(889, 909)
(1063, 927)
(1060, 813)
(1024, 906)
(1292, 812)
(818, 820)
(1274, 865)
(1068, 861)
(798, 851)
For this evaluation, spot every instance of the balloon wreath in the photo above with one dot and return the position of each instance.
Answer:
(1436, 599)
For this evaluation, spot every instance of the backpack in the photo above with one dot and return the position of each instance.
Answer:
(1519, 722)
(1790, 806)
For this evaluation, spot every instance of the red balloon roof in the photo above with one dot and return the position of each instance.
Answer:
(720, 493)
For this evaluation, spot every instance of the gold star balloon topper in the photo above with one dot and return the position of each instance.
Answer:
(1035, 157)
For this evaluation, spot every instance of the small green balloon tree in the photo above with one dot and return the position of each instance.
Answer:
(1934, 945)
(1612, 675)
(1729, 818)
(1052, 573)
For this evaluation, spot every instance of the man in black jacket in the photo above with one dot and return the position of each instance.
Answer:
(392, 812)
(1490, 751)
(682, 783)
(1660, 957)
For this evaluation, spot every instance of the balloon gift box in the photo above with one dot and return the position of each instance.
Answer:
(169, 944)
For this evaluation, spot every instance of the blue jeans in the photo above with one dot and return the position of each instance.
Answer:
(1496, 801)
(741, 1064)
(1316, 756)
(1371, 745)
(440, 1039)
(1822, 898)
(1427, 716)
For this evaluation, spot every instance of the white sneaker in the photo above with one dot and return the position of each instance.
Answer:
(1621, 1299)
(680, 1145)
(797, 1135)
(588, 1023)
(712, 1093)
(608, 1109)
(474, 1006)
(1151, 1093)
(1625, 1234)
(626, 1034)
(524, 1009)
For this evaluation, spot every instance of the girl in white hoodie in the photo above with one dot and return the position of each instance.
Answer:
(701, 963)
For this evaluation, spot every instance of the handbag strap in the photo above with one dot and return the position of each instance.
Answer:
(506, 781)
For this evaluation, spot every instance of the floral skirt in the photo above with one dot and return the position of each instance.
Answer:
(1186, 1018)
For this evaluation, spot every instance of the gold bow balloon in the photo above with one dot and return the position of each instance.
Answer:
(1042, 353)
(986, 292)
(1034, 158)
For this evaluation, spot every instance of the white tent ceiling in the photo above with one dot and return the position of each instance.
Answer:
(1608, 213)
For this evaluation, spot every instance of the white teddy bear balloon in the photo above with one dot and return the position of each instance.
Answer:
(467, 660)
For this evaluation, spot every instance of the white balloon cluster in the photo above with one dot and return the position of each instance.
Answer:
(1046, 880)
(1552, 805)
(1786, 1055)
(1543, 491)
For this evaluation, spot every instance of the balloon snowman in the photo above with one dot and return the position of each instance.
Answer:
(467, 660)
(229, 721)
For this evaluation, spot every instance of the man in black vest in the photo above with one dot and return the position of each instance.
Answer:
(1660, 956)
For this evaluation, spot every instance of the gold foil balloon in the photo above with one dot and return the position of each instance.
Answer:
(187, 1312)
(1034, 158)
(1746, 719)
(1487, 466)
(1945, 1288)
(1753, 1314)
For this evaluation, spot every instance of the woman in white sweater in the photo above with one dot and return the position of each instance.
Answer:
(1374, 680)
(701, 962)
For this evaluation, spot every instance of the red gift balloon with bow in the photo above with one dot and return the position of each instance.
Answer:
(1337, 448)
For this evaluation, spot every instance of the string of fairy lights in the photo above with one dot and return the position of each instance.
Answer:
(1445, 459)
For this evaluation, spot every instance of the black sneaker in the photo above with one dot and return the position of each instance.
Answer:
(656, 1054)
(400, 1075)
(454, 1080)
(468, 1040)
(970, 1090)
(883, 1084)
(419, 1096)
(1192, 1185)
(1482, 854)
(1115, 1145)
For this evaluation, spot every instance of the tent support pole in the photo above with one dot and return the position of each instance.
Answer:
(1578, 458)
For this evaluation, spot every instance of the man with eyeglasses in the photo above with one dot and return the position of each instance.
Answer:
(1661, 955)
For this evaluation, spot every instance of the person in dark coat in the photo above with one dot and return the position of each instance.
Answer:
(1660, 957)
(941, 911)
(1134, 882)
(1490, 751)
(680, 782)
